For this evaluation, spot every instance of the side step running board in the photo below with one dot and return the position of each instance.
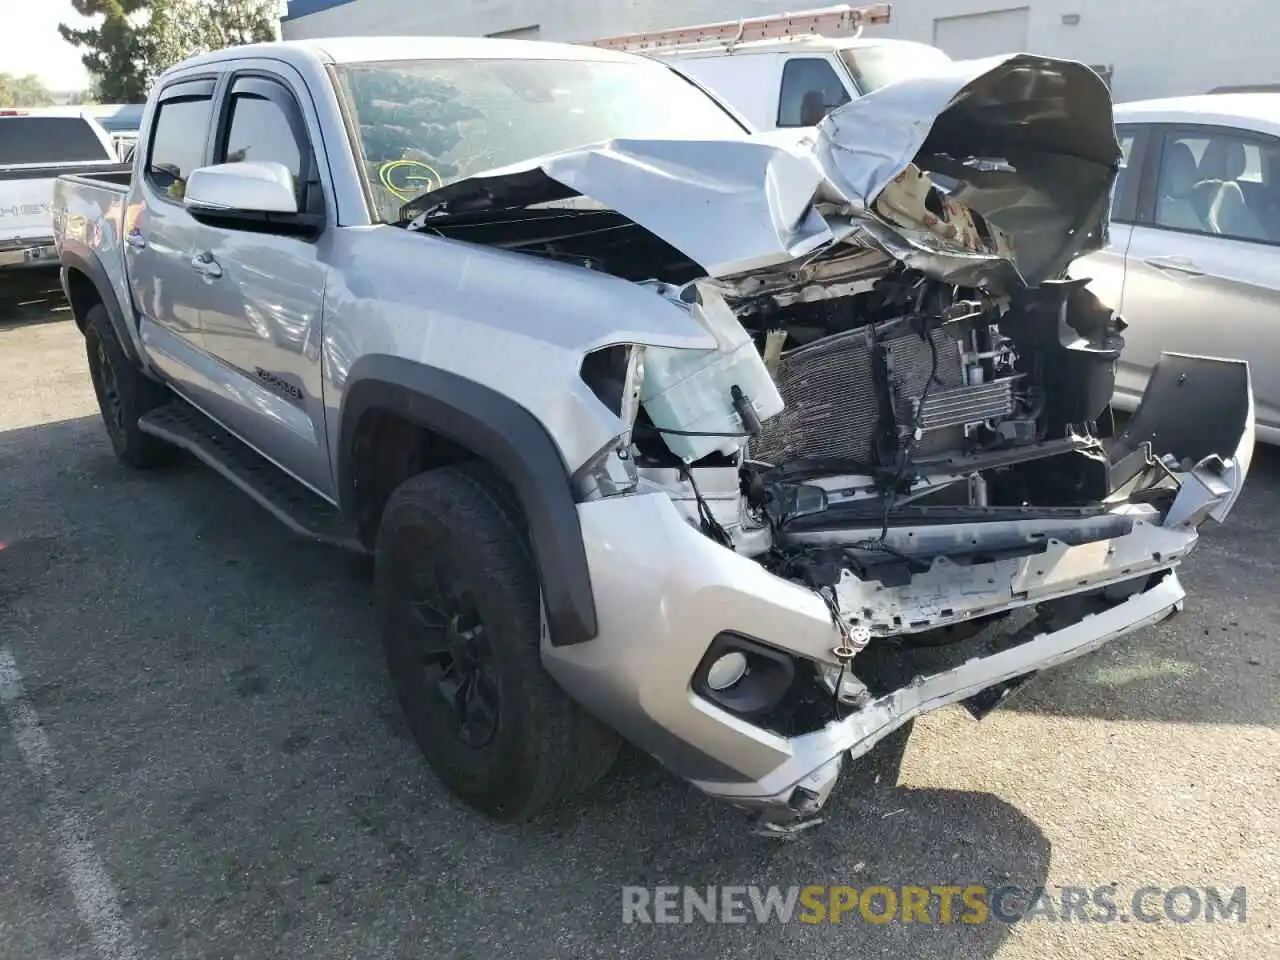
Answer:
(297, 507)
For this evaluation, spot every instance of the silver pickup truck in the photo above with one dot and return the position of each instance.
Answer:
(746, 449)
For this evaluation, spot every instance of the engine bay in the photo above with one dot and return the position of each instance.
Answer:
(868, 386)
(904, 390)
(855, 391)
(849, 387)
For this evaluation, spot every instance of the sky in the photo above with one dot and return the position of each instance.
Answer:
(30, 43)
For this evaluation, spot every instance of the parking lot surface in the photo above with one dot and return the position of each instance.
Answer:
(200, 756)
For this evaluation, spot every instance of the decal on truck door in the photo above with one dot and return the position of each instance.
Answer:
(281, 385)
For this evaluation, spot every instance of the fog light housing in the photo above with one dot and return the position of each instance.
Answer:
(743, 676)
(727, 670)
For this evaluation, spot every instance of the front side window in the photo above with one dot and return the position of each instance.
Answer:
(260, 130)
(426, 123)
(1218, 183)
(810, 90)
(177, 143)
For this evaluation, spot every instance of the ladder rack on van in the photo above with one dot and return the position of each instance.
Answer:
(834, 22)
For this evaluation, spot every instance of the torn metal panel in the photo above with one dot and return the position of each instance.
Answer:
(729, 205)
(1027, 143)
(952, 593)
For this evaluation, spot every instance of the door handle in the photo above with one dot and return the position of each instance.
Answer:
(205, 265)
(1180, 264)
(135, 239)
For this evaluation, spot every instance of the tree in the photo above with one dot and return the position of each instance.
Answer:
(178, 29)
(231, 22)
(118, 50)
(25, 91)
(137, 40)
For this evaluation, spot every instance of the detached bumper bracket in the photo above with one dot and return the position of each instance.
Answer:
(983, 704)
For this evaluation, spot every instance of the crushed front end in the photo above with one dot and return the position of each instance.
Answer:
(760, 626)
(895, 483)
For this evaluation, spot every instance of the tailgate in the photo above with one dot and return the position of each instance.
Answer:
(26, 208)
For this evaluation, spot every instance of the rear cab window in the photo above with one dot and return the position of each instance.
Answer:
(35, 140)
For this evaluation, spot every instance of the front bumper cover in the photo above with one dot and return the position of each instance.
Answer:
(815, 758)
(664, 592)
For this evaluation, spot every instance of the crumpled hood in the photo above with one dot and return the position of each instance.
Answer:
(1027, 142)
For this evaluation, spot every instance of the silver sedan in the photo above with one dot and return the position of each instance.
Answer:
(1193, 262)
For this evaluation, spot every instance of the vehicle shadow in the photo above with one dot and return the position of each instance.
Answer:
(30, 297)
(216, 694)
(1215, 662)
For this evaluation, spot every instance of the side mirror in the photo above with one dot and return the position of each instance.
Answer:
(245, 187)
(249, 195)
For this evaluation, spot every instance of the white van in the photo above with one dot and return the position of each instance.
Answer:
(792, 69)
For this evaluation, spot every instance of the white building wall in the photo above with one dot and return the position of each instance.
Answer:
(1156, 47)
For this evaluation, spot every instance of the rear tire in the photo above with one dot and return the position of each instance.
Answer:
(124, 394)
(459, 600)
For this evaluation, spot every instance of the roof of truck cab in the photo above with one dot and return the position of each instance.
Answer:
(374, 49)
(1253, 111)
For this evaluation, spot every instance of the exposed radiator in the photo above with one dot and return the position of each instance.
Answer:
(833, 408)
(960, 405)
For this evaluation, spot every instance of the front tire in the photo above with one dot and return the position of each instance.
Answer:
(459, 600)
(124, 394)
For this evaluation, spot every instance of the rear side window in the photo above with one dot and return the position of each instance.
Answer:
(48, 140)
(811, 89)
(177, 143)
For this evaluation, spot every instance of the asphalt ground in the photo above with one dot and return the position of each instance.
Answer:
(200, 755)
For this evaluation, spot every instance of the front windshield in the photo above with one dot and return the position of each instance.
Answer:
(426, 123)
(875, 66)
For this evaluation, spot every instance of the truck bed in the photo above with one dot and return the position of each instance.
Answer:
(90, 208)
(50, 171)
(113, 177)
(26, 196)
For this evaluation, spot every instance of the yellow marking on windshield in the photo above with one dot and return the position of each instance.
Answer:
(406, 186)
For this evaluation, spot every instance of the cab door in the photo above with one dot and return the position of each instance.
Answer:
(262, 290)
(160, 235)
